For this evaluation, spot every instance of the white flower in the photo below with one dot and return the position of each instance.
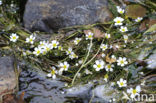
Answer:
(89, 35)
(73, 55)
(106, 77)
(109, 67)
(60, 48)
(107, 36)
(123, 29)
(120, 10)
(79, 75)
(77, 40)
(104, 47)
(138, 19)
(69, 51)
(26, 53)
(42, 44)
(122, 83)
(99, 64)
(110, 46)
(64, 66)
(117, 46)
(44, 51)
(37, 51)
(114, 99)
(134, 92)
(122, 61)
(125, 38)
(47, 47)
(77, 64)
(30, 39)
(143, 83)
(80, 61)
(118, 21)
(0, 2)
(60, 72)
(14, 37)
(112, 84)
(113, 56)
(54, 44)
(103, 55)
(53, 73)
(88, 71)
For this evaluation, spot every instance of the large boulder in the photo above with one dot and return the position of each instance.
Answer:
(8, 79)
(50, 15)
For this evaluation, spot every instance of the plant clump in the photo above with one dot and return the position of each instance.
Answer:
(106, 49)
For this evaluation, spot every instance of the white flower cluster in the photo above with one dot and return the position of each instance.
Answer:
(45, 47)
(119, 22)
(71, 54)
(63, 66)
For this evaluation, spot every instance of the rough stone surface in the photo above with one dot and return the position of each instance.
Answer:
(8, 79)
(49, 15)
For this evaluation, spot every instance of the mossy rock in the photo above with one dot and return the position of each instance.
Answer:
(134, 11)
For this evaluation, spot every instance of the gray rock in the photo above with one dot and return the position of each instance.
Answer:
(103, 93)
(49, 15)
(80, 90)
(152, 61)
(8, 77)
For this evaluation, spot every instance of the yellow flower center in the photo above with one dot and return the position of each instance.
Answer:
(59, 47)
(14, 37)
(69, 52)
(121, 12)
(109, 66)
(118, 21)
(90, 36)
(123, 30)
(78, 41)
(121, 83)
(44, 52)
(104, 47)
(125, 39)
(99, 65)
(134, 91)
(106, 76)
(53, 72)
(74, 55)
(54, 45)
(47, 48)
(64, 66)
(30, 40)
(122, 62)
(38, 52)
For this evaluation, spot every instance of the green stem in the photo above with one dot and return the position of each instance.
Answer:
(94, 55)
(83, 63)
